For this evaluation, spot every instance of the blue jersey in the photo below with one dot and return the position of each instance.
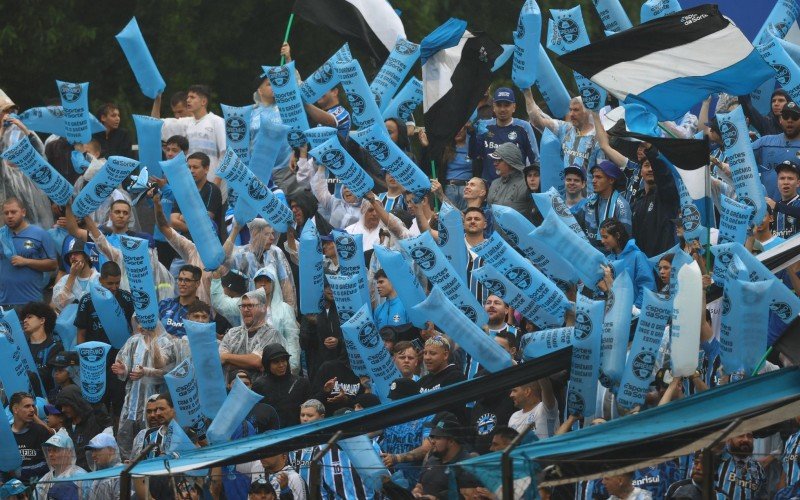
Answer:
(301, 461)
(770, 151)
(402, 438)
(23, 284)
(657, 478)
(791, 459)
(598, 210)
(342, 118)
(740, 479)
(390, 203)
(518, 132)
(785, 226)
(172, 313)
(581, 150)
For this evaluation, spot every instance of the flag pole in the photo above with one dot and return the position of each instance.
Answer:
(709, 213)
(433, 175)
(286, 36)
(761, 362)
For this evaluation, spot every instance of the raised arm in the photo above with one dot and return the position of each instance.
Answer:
(320, 116)
(602, 138)
(537, 117)
(155, 112)
(72, 225)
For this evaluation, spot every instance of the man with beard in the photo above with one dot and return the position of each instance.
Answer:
(739, 475)
(152, 423)
(772, 150)
(475, 223)
(446, 448)
(692, 487)
(242, 346)
(28, 253)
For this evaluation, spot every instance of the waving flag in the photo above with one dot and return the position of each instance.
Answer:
(457, 67)
(672, 63)
(371, 24)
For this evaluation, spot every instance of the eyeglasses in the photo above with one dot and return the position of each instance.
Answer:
(792, 117)
(186, 280)
(247, 306)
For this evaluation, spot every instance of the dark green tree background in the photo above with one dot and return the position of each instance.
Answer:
(222, 44)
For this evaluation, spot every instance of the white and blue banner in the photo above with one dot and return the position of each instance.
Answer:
(324, 78)
(552, 201)
(586, 260)
(405, 282)
(254, 192)
(585, 367)
(653, 9)
(521, 273)
(350, 249)
(110, 314)
(390, 157)
(518, 231)
(237, 130)
(25, 156)
(526, 45)
(550, 86)
(743, 335)
(287, 98)
(50, 120)
(469, 336)
(742, 162)
(497, 284)
(201, 227)
(141, 60)
(734, 222)
(409, 98)
(365, 111)
(691, 216)
(176, 442)
(394, 71)
(238, 404)
(97, 190)
(138, 267)
(360, 331)
(616, 329)
(343, 166)
(311, 273)
(75, 103)
(183, 387)
(640, 367)
(202, 339)
(612, 15)
(92, 357)
(148, 136)
(435, 266)
(451, 239)
(687, 314)
(270, 140)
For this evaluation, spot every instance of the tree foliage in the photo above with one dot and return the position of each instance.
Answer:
(223, 44)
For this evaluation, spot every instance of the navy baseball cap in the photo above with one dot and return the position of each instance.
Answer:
(504, 94)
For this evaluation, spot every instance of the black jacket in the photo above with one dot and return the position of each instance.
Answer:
(81, 432)
(653, 212)
(314, 329)
(285, 394)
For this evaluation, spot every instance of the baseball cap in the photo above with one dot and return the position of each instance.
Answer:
(788, 165)
(509, 153)
(403, 388)
(446, 427)
(235, 282)
(102, 440)
(51, 410)
(574, 169)
(12, 487)
(504, 94)
(60, 440)
(791, 110)
(64, 359)
(609, 169)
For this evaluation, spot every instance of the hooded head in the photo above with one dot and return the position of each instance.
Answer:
(304, 205)
(252, 307)
(59, 452)
(262, 236)
(102, 452)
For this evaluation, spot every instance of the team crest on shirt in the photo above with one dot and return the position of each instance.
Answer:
(486, 424)
(396, 318)
(28, 245)
(512, 136)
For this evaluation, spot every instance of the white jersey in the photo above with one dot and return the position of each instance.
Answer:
(544, 420)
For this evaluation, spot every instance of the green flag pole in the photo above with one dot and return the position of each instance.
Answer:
(286, 36)
(761, 363)
(433, 174)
